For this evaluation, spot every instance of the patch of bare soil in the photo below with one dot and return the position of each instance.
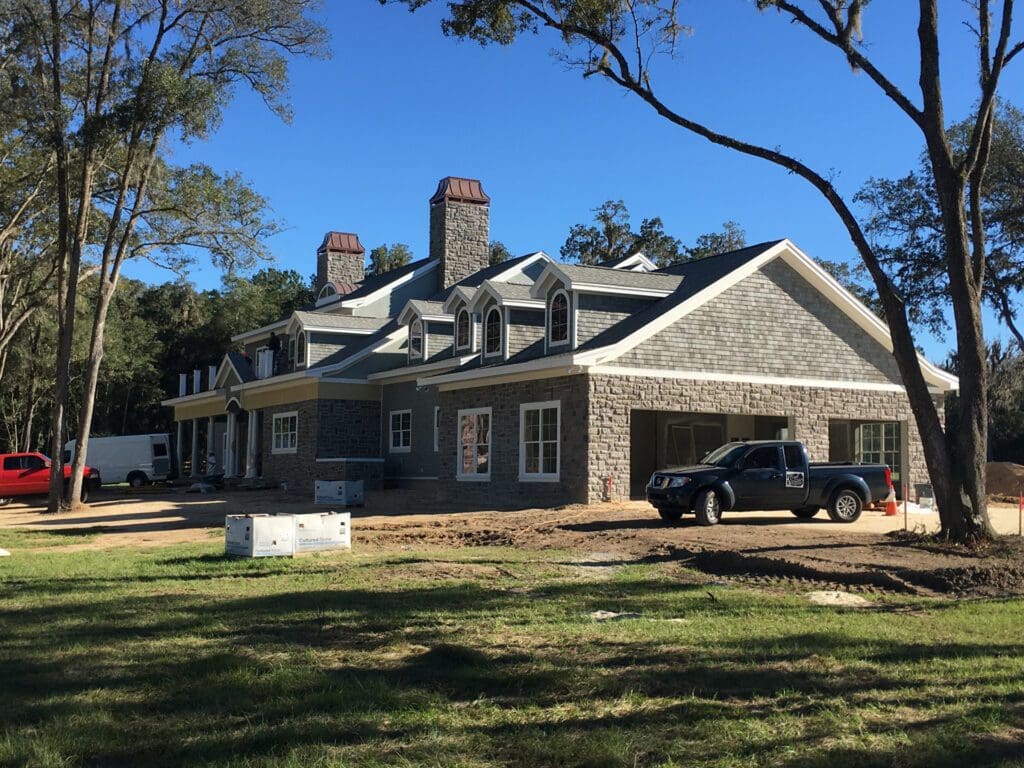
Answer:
(1004, 478)
(769, 550)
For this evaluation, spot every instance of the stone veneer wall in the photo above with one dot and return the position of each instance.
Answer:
(327, 429)
(504, 490)
(459, 239)
(611, 398)
(338, 267)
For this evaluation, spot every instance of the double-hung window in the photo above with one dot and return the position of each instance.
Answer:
(285, 432)
(474, 459)
(539, 438)
(401, 431)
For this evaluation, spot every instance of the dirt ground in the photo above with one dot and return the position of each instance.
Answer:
(873, 554)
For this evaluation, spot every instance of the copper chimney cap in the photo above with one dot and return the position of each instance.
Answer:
(458, 190)
(345, 242)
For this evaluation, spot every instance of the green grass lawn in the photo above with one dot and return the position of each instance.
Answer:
(480, 657)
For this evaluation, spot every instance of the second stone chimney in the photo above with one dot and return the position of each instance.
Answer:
(340, 261)
(459, 229)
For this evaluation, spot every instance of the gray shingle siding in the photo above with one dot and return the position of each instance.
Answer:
(526, 327)
(323, 344)
(439, 340)
(773, 323)
(597, 313)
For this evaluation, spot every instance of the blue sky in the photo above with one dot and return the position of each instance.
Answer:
(398, 106)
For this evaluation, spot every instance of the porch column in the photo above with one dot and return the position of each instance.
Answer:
(210, 445)
(250, 445)
(195, 447)
(229, 452)
(179, 449)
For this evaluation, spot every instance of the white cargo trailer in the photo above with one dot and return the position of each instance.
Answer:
(133, 459)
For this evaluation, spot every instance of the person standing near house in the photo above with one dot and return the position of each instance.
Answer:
(274, 345)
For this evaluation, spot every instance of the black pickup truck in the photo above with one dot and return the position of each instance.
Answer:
(767, 475)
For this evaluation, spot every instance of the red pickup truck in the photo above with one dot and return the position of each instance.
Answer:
(28, 474)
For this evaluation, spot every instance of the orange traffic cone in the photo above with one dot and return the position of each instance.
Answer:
(891, 507)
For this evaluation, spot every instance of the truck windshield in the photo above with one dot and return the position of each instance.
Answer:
(725, 456)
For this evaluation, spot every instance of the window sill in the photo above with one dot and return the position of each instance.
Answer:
(523, 478)
(407, 449)
(474, 478)
(280, 451)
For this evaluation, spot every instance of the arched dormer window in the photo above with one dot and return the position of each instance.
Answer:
(492, 332)
(327, 291)
(300, 349)
(416, 338)
(462, 329)
(558, 321)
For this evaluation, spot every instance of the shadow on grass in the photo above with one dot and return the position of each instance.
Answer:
(460, 672)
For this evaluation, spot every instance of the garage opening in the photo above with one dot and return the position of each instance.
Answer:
(870, 442)
(660, 439)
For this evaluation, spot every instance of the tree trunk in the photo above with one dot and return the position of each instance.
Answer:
(92, 375)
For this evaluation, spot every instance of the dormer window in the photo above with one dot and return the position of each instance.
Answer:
(558, 322)
(462, 329)
(416, 339)
(300, 349)
(492, 332)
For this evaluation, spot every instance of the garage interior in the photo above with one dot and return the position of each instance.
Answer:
(661, 439)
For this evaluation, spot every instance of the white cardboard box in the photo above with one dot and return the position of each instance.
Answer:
(348, 493)
(323, 531)
(259, 535)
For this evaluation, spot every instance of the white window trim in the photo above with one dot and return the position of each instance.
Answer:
(392, 448)
(475, 477)
(273, 432)
(422, 354)
(469, 324)
(437, 429)
(568, 319)
(501, 333)
(540, 477)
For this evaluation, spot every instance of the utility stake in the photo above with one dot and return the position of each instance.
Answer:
(906, 492)
(1020, 516)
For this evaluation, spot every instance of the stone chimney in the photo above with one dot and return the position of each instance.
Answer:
(459, 229)
(339, 260)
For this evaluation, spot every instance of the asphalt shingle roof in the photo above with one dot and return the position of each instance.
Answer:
(621, 277)
(340, 322)
(242, 366)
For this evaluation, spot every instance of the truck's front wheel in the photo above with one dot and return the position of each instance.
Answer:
(845, 506)
(708, 509)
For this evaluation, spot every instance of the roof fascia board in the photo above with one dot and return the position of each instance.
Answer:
(388, 287)
(542, 363)
(618, 290)
(210, 394)
(345, 331)
(266, 329)
(744, 378)
(284, 380)
(499, 377)
(414, 371)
